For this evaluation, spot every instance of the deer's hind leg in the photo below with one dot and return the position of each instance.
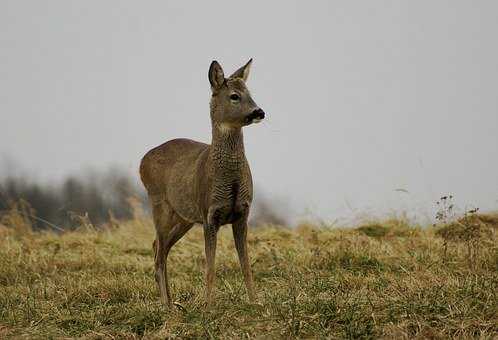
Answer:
(169, 229)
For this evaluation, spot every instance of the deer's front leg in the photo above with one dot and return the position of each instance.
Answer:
(240, 237)
(210, 247)
(210, 231)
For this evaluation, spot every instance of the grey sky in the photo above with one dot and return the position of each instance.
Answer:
(362, 97)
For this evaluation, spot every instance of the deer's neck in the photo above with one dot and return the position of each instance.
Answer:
(227, 150)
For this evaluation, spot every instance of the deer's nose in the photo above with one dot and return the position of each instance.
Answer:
(256, 116)
(258, 113)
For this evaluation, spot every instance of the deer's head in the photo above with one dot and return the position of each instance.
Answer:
(231, 102)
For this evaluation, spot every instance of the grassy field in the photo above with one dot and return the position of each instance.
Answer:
(386, 280)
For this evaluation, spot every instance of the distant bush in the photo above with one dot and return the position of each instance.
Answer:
(393, 227)
(373, 230)
(470, 227)
(98, 196)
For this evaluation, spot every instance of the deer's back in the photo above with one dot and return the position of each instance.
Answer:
(171, 166)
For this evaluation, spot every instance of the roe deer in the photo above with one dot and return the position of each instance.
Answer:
(190, 182)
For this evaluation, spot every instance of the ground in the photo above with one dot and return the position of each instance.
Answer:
(385, 279)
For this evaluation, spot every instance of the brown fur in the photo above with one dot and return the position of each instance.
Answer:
(190, 182)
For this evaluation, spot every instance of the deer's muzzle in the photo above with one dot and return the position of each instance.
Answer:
(256, 116)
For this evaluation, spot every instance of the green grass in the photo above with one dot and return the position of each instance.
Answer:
(381, 280)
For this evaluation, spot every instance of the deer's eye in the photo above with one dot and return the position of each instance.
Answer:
(235, 97)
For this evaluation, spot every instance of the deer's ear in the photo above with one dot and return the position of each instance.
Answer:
(243, 72)
(215, 75)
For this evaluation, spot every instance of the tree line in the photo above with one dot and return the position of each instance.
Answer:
(98, 196)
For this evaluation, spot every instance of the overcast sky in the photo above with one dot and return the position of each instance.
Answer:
(362, 97)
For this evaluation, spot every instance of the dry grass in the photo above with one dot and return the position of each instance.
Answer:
(381, 280)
